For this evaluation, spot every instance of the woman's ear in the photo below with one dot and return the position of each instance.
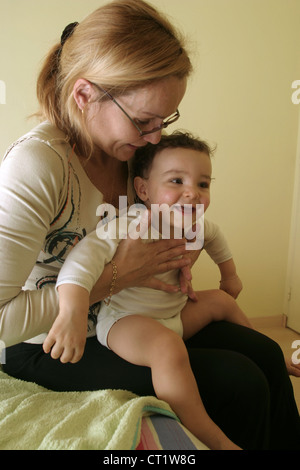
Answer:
(141, 188)
(83, 92)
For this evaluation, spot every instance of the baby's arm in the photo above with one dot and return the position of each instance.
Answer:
(66, 339)
(217, 248)
(79, 273)
(230, 281)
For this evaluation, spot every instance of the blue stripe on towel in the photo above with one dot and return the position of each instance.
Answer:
(171, 434)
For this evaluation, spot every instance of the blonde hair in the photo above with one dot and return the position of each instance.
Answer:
(120, 46)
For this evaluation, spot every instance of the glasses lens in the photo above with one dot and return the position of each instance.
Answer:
(171, 119)
(164, 124)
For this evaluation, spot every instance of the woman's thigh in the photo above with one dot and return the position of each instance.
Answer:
(260, 349)
(98, 369)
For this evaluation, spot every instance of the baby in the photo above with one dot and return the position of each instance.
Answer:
(145, 326)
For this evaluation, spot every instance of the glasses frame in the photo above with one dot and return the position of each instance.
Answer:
(173, 118)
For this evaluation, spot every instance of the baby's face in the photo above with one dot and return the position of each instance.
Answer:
(178, 177)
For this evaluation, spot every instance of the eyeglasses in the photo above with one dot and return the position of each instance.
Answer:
(174, 117)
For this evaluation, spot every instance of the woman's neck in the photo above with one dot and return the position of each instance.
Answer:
(108, 175)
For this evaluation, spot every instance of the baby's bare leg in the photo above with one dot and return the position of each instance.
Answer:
(144, 341)
(212, 305)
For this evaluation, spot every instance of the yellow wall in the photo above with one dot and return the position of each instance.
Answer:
(246, 56)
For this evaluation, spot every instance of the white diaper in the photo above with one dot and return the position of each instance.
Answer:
(105, 322)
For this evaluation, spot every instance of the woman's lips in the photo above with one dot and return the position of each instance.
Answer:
(135, 147)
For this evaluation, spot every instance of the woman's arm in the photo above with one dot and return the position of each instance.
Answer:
(29, 195)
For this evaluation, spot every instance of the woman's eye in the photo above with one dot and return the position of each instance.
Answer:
(141, 122)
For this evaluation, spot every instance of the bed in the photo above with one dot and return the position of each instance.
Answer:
(34, 418)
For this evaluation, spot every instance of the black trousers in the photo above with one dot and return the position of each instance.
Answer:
(241, 375)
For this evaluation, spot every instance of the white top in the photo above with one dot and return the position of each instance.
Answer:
(86, 262)
(47, 204)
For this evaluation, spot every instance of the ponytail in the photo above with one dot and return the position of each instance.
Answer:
(47, 92)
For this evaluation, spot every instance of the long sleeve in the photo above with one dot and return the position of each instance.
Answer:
(29, 190)
(47, 205)
(88, 258)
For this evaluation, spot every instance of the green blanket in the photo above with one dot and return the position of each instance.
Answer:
(32, 417)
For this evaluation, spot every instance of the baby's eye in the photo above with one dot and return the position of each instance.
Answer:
(204, 184)
(176, 180)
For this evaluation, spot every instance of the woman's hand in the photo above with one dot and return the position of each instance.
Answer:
(185, 276)
(138, 262)
(137, 265)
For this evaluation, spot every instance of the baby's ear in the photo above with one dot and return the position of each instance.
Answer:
(141, 188)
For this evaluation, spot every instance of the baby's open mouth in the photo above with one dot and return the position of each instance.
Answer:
(185, 209)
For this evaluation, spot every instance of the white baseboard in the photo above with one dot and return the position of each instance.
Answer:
(268, 322)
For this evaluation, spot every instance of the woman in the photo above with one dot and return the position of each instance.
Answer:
(111, 85)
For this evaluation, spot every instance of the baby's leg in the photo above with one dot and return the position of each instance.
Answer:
(212, 305)
(144, 341)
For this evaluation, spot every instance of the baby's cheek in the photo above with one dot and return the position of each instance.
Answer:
(169, 197)
(205, 201)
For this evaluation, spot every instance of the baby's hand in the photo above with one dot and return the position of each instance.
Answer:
(67, 337)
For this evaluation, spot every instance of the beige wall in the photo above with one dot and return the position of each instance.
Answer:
(246, 56)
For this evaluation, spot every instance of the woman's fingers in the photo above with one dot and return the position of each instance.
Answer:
(168, 265)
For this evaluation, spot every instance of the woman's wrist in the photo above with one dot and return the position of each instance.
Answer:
(113, 282)
(109, 283)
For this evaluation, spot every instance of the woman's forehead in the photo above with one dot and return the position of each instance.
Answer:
(158, 99)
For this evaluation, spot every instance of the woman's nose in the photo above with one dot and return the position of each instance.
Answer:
(153, 138)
